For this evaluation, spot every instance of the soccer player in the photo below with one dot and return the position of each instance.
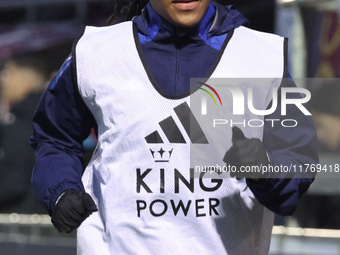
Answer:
(138, 194)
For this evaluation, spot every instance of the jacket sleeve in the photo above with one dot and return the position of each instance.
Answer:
(287, 146)
(61, 122)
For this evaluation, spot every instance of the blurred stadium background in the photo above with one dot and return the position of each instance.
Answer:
(46, 29)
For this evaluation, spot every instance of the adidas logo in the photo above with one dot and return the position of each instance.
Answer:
(173, 133)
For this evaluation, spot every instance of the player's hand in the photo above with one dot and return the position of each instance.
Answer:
(245, 152)
(72, 209)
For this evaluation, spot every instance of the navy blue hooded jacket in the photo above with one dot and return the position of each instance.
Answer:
(173, 54)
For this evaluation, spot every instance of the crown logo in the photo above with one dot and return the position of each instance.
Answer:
(161, 155)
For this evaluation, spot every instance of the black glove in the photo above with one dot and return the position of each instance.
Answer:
(245, 152)
(72, 209)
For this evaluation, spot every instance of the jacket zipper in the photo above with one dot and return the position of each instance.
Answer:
(177, 78)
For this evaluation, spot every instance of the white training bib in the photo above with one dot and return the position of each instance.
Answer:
(142, 177)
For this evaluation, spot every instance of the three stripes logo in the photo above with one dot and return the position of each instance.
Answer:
(173, 133)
